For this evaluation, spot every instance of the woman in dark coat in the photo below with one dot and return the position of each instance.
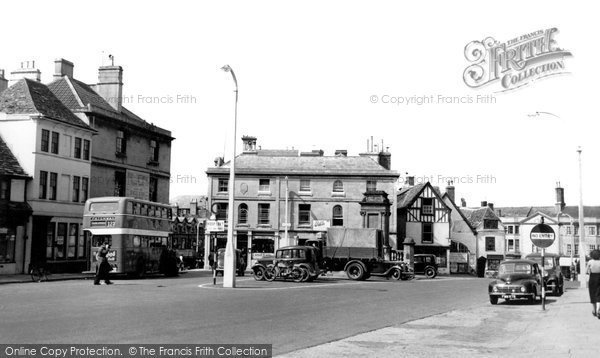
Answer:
(593, 269)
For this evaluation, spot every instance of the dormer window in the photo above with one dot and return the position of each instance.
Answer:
(427, 206)
(490, 224)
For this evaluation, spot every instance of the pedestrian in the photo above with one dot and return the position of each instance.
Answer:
(593, 269)
(103, 267)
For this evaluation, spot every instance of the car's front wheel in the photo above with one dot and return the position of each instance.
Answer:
(494, 300)
(259, 273)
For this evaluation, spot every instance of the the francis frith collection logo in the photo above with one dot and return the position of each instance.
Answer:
(514, 63)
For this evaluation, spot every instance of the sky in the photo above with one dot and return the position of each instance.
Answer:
(323, 75)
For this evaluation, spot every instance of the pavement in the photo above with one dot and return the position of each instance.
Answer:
(566, 328)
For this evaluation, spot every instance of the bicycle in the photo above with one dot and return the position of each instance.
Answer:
(38, 272)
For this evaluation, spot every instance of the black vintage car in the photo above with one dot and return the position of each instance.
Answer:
(517, 279)
(425, 264)
(553, 278)
(298, 263)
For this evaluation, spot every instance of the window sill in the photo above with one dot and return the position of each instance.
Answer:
(263, 226)
(153, 162)
(304, 226)
(305, 193)
(243, 225)
(120, 155)
(264, 193)
(338, 194)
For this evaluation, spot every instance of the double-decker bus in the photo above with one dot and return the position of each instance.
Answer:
(137, 231)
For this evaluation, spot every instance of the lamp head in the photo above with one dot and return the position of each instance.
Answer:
(226, 68)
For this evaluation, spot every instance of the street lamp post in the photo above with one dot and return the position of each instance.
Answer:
(229, 264)
(582, 282)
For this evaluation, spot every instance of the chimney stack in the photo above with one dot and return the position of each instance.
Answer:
(193, 207)
(3, 81)
(27, 70)
(410, 180)
(110, 85)
(450, 190)
(63, 68)
(341, 153)
(463, 202)
(484, 204)
(385, 159)
(313, 153)
(560, 198)
(491, 206)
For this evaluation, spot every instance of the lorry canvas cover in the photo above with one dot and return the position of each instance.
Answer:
(356, 243)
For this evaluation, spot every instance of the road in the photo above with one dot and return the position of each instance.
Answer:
(190, 310)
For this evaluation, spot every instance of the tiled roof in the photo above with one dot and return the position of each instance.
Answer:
(526, 211)
(79, 96)
(340, 166)
(9, 165)
(407, 195)
(475, 216)
(32, 97)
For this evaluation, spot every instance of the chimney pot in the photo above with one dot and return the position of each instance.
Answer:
(463, 202)
(341, 153)
(25, 72)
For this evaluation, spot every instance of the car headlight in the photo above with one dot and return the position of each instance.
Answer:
(495, 289)
(523, 289)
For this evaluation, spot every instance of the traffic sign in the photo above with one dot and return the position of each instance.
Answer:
(542, 236)
(215, 226)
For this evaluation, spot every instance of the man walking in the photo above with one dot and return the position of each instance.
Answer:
(103, 267)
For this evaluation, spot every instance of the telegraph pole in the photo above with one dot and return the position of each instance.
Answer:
(582, 282)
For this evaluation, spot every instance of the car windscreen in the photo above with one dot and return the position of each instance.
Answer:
(514, 268)
(549, 261)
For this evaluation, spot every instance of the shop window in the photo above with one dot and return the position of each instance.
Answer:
(72, 241)
(59, 243)
(7, 246)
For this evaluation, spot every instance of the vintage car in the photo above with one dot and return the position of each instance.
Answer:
(517, 279)
(240, 264)
(553, 277)
(425, 264)
(299, 263)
